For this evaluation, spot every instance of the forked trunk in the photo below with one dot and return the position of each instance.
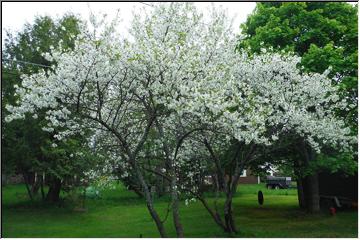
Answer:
(228, 208)
(173, 182)
(26, 181)
(229, 186)
(228, 216)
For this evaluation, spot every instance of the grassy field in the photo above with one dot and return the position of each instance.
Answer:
(120, 213)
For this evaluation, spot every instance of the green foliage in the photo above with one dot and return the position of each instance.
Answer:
(26, 148)
(323, 34)
(63, 163)
(344, 72)
(333, 163)
(35, 39)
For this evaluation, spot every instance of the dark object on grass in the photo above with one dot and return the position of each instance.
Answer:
(278, 182)
(260, 198)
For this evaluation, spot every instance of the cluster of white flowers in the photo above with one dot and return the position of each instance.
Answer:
(175, 67)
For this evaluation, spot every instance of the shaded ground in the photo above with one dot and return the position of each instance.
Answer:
(120, 213)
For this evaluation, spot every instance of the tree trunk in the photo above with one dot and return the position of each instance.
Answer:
(311, 186)
(229, 186)
(149, 201)
(301, 194)
(228, 208)
(312, 193)
(42, 189)
(53, 194)
(26, 181)
(175, 209)
(219, 172)
(214, 215)
(173, 184)
(228, 215)
(232, 187)
(300, 182)
(36, 184)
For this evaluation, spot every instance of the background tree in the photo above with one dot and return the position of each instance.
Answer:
(26, 148)
(324, 35)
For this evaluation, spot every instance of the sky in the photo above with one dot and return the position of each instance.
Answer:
(16, 14)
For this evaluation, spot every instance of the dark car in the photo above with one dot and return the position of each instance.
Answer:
(278, 182)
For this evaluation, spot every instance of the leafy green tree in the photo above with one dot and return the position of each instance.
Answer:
(324, 35)
(26, 147)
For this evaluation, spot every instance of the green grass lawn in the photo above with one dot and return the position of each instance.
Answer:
(120, 213)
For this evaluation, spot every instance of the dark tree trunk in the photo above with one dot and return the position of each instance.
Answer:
(42, 189)
(228, 216)
(173, 183)
(176, 218)
(228, 208)
(232, 187)
(229, 186)
(26, 181)
(175, 209)
(149, 201)
(311, 183)
(53, 194)
(312, 193)
(300, 183)
(301, 194)
(213, 213)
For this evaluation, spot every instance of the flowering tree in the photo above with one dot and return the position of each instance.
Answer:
(174, 79)
(260, 99)
(119, 88)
